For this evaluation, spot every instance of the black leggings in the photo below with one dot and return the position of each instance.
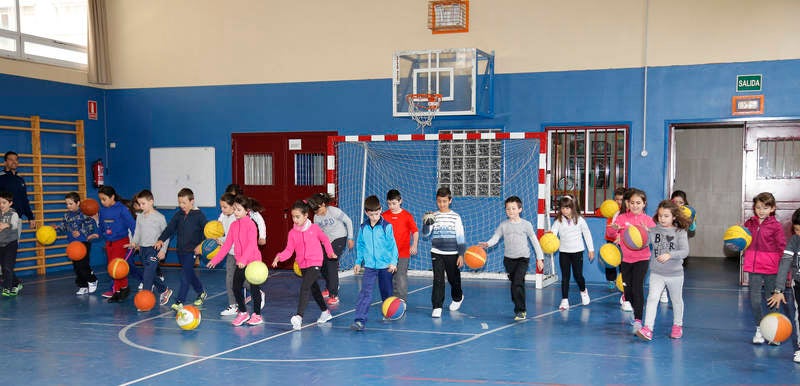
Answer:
(309, 287)
(330, 267)
(633, 280)
(574, 260)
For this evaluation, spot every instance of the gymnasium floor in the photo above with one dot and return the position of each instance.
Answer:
(51, 336)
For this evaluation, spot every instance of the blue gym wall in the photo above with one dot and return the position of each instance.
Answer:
(139, 119)
(24, 97)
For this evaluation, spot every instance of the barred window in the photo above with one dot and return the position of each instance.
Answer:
(309, 169)
(778, 158)
(587, 163)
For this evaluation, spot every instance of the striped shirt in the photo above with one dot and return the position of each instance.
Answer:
(446, 233)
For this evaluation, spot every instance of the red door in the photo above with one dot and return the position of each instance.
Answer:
(278, 169)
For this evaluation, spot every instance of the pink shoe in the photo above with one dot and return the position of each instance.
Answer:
(677, 332)
(325, 293)
(240, 319)
(255, 320)
(108, 294)
(645, 333)
(333, 300)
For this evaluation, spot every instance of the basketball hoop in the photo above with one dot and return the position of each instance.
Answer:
(423, 107)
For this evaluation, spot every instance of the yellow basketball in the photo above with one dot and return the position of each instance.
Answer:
(620, 287)
(611, 254)
(549, 243)
(46, 235)
(609, 208)
(214, 230)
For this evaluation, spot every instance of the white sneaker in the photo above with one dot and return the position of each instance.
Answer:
(797, 356)
(455, 305)
(758, 338)
(82, 291)
(324, 317)
(564, 305)
(92, 287)
(231, 310)
(627, 307)
(437, 313)
(297, 322)
(141, 285)
(585, 297)
(664, 297)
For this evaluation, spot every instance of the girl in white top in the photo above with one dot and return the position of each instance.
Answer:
(573, 232)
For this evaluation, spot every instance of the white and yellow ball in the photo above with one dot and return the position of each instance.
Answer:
(188, 317)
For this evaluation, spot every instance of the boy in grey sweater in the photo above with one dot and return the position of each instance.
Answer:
(790, 265)
(517, 233)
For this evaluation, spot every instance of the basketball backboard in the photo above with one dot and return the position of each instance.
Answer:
(463, 76)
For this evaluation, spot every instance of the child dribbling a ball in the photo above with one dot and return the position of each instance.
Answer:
(516, 233)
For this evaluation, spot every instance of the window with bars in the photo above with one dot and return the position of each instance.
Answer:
(309, 169)
(471, 168)
(779, 158)
(588, 163)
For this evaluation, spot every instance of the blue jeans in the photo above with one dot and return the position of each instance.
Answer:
(188, 276)
(149, 258)
(384, 278)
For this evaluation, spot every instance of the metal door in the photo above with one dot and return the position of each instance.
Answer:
(772, 164)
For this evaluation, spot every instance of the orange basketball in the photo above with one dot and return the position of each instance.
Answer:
(475, 257)
(89, 206)
(76, 251)
(144, 300)
(118, 268)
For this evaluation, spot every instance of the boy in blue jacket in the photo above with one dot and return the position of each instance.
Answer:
(377, 251)
(188, 224)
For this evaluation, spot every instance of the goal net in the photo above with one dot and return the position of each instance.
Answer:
(482, 169)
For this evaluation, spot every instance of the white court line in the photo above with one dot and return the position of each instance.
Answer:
(201, 359)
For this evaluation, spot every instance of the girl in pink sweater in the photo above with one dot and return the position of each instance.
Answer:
(634, 262)
(243, 237)
(306, 241)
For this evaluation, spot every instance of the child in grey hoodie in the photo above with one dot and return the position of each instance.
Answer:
(670, 247)
(790, 266)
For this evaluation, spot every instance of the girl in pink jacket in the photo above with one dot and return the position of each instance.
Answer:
(306, 241)
(243, 237)
(634, 262)
(761, 258)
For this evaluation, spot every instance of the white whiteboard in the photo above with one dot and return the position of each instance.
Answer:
(175, 168)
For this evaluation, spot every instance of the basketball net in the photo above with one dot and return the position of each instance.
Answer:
(422, 108)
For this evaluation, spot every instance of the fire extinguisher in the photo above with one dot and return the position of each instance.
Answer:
(97, 173)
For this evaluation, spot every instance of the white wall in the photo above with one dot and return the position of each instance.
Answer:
(157, 43)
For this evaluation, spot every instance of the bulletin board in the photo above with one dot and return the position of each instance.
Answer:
(175, 168)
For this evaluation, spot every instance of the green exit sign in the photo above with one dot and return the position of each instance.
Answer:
(748, 82)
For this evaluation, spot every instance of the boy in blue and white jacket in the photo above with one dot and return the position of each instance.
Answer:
(377, 251)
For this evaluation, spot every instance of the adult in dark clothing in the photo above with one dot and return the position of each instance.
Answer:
(10, 181)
